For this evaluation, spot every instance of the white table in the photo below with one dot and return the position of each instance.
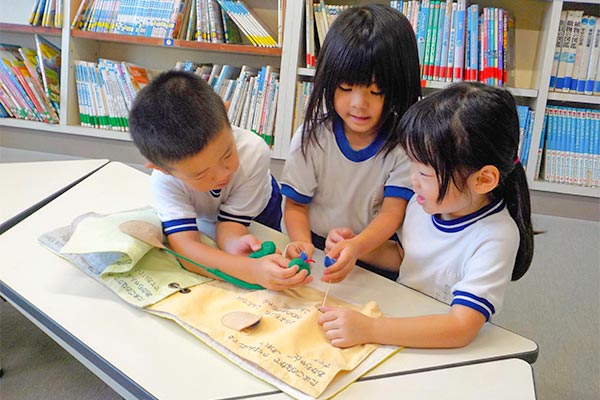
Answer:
(30, 185)
(142, 356)
(495, 380)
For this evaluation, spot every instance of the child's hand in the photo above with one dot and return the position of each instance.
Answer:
(272, 272)
(337, 235)
(346, 255)
(294, 249)
(242, 246)
(344, 327)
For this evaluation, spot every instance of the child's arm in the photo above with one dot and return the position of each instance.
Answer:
(297, 223)
(270, 272)
(388, 256)
(234, 239)
(381, 228)
(346, 328)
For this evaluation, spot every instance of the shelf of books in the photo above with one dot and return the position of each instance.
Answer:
(568, 153)
(111, 52)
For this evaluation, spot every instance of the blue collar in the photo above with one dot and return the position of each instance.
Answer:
(458, 224)
(349, 152)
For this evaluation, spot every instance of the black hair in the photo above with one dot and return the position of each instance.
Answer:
(462, 128)
(365, 43)
(175, 116)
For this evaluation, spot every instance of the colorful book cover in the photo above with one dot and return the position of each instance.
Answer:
(49, 59)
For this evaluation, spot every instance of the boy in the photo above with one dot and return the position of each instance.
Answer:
(209, 177)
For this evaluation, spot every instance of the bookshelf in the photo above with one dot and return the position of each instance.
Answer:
(536, 28)
(153, 53)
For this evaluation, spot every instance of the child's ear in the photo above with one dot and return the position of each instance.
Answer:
(150, 165)
(486, 179)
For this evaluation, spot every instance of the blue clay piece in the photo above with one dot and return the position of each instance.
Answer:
(328, 261)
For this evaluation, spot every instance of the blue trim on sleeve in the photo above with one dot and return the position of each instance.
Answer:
(290, 192)
(397, 191)
(179, 225)
(479, 299)
(474, 306)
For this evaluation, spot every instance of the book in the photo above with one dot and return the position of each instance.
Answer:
(421, 35)
(437, 59)
(571, 51)
(49, 60)
(30, 61)
(459, 49)
(227, 72)
(445, 39)
(558, 48)
(567, 53)
(430, 42)
(249, 24)
(580, 70)
(593, 62)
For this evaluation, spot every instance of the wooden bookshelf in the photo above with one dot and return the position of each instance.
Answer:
(187, 44)
(20, 28)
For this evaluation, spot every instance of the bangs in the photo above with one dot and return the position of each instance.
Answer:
(356, 65)
(424, 136)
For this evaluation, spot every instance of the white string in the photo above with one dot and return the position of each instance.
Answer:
(285, 250)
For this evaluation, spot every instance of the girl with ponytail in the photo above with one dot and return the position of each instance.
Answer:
(467, 231)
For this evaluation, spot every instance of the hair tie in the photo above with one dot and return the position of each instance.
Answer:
(517, 160)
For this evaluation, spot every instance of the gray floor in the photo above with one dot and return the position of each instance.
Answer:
(556, 304)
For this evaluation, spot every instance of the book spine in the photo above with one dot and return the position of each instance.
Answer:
(593, 63)
(445, 39)
(431, 39)
(571, 51)
(459, 50)
(558, 48)
(451, 45)
(437, 59)
(422, 31)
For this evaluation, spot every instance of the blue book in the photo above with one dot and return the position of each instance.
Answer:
(451, 45)
(437, 59)
(445, 39)
(528, 134)
(459, 47)
(422, 30)
(473, 29)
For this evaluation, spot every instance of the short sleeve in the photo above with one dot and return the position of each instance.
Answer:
(398, 183)
(299, 181)
(173, 203)
(488, 271)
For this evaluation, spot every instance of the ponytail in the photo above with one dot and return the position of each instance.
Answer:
(516, 197)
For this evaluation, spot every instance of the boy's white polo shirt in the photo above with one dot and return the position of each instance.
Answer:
(245, 196)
